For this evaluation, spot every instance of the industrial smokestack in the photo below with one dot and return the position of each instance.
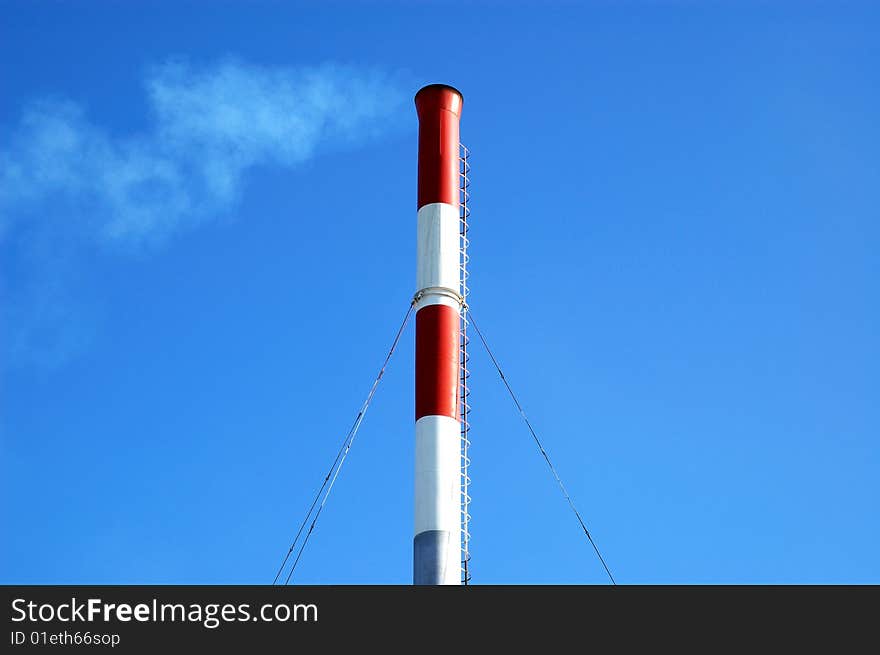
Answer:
(437, 542)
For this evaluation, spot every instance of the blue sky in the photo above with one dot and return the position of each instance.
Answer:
(207, 235)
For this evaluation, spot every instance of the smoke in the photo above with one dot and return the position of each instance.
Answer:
(211, 126)
(66, 180)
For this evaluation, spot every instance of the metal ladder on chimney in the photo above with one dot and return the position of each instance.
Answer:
(464, 391)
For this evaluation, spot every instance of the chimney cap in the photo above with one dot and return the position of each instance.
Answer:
(439, 96)
(439, 87)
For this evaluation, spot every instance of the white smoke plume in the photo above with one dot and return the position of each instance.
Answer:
(211, 125)
(69, 185)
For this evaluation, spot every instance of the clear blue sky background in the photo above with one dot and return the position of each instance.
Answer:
(208, 240)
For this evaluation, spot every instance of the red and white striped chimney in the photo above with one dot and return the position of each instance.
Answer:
(437, 542)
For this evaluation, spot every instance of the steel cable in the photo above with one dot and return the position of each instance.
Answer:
(333, 473)
(540, 446)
